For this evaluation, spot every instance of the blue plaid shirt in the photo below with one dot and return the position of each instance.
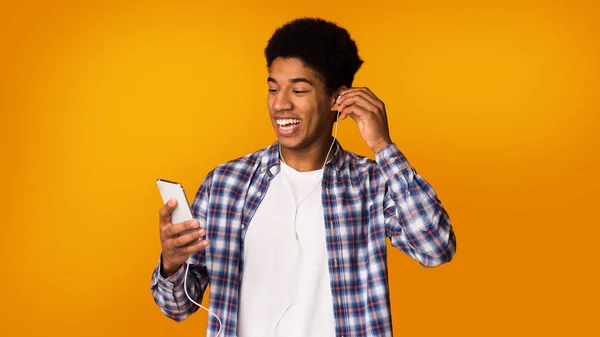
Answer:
(364, 203)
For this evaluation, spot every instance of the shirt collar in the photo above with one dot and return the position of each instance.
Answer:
(270, 158)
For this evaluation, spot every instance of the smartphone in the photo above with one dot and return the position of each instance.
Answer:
(182, 212)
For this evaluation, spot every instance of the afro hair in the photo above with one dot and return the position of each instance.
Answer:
(321, 45)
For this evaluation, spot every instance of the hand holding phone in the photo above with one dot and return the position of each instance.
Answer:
(180, 233)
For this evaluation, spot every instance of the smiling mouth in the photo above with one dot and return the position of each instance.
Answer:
(287, 124)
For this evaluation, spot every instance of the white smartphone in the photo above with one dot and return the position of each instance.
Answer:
(170, 189)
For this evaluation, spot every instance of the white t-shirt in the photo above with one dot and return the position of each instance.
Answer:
(285, 290)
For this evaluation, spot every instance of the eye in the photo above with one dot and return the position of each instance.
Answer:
(272, 90)
(298, 92)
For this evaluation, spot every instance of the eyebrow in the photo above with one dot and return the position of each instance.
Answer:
(293, 80)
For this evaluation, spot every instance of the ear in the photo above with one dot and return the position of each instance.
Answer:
(336, 94)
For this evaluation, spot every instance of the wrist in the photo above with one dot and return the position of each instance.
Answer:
(380, 145)
(168, 269)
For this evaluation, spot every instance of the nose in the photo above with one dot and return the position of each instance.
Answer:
(282, 101)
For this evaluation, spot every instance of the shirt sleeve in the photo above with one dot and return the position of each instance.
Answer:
(415, 220)
(169, 292)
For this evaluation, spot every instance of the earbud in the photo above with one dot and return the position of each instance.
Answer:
(337, 97)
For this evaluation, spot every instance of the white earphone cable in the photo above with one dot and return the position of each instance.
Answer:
(187, 268)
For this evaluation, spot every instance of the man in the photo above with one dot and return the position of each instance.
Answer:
(298, 230)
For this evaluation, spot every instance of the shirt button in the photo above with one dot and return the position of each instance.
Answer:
(393, 159)
(243, 226)
(259, 193)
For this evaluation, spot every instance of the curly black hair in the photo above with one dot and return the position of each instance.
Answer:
(322, 45)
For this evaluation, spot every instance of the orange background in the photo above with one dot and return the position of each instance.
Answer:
(495, 103)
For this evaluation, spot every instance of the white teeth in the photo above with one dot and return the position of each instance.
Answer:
(282, 122)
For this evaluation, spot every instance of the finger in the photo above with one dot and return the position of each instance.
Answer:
(356, 113)
(363, 89)
(362, 98)
(362, 102)
(382, 105)
(344, 114)
(372, 94)
(194, 248)
(367, 94)
(176, 229)
(165, 212)
(351, 97)
(191, 236)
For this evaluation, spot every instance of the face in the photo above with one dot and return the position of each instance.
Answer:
(299, 105)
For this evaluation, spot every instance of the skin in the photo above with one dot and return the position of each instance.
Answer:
(295, 92)
(370, 116)
(175, 249)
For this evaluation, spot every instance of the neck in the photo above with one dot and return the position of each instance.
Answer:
(308, 159)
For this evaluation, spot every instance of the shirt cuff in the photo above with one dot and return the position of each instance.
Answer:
(391, 160)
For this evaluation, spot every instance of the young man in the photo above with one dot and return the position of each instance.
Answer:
(298, 230)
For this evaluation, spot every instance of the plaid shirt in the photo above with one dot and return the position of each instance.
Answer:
(364, 202)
